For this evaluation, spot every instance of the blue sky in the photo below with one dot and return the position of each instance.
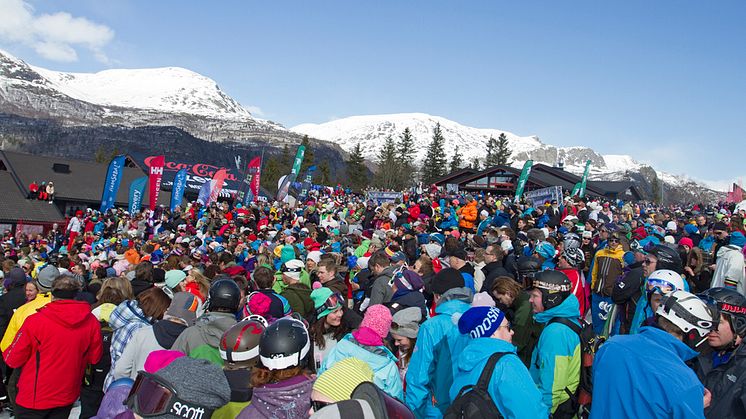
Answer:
(663, 81)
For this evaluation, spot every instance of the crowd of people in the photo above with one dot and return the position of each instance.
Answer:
(43, 192)
(439, 305)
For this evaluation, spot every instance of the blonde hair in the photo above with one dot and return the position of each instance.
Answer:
(201, 280)
(118, 284)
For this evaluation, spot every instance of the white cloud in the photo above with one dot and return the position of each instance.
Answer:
(53, 36)
(255, 110)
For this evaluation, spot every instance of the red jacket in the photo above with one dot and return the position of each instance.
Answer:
(53, 348)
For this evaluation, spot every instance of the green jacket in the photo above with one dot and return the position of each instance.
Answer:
(299, 298)
(526, 329)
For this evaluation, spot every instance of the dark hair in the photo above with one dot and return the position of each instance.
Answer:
(263, 277)
(380, 259)
(100, 272)
(319, 328)
(211, 271)
(65, 287)
(506, 285)
(329, 265)
(144, 271)
(261, 375)
(153, 302)
(225, 257)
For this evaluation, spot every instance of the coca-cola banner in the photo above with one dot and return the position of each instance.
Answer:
(197, 174)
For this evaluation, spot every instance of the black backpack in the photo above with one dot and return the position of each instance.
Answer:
(474, 401)
(580, 400)
(95, 374)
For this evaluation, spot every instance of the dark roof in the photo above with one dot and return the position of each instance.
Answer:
(612, 186)
(83, 183)
(15, 207)
(456, 176)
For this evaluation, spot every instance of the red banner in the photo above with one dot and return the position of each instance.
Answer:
(255, 168)
(219, 180)
(154, 179)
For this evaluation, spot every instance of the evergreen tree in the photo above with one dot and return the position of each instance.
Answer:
(456, 160)
(502, 155)
(491, 159)
(434, 165)
(475, 164)
(325, 177)
(405, 158)
(286, 161)
(271, 173)
(356, 171)
(387, 165)
(308, 157)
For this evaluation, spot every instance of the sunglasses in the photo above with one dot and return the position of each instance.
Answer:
(648, 262)
(152, 396)
(613, 240)
(317, 405)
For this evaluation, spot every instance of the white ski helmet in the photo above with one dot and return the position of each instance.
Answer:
(690, 314)
(663, 281)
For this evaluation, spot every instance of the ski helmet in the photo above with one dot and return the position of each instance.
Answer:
(241, 342)
(225, 295)
(571, 240)
(284, 344)
(527, 267)
(555, 287)
(574, 256)
(690, 314)
(664, 281)
(667, 257)
(732, 305)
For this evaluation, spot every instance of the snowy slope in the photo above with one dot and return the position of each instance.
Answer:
(170, 89)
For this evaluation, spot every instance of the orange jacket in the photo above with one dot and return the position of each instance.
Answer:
(467, 215)
(132, 256)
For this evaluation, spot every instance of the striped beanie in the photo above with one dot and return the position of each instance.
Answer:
(339, 381)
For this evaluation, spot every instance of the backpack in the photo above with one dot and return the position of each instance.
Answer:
(474, 401)
(589, 344)
(96, 374)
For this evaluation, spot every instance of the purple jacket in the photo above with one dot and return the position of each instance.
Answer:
(284, 400)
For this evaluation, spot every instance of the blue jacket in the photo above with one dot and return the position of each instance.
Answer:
(483, 225)
(381, 360)
(555, 362)
(433, 364)
(511, 387)
(644, 376)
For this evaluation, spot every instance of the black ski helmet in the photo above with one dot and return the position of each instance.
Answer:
(527, 267)
(668, 258)
(284, 344)
(731, 304)
(224, 295)
(555, 287)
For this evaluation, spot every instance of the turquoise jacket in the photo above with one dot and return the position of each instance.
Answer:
(511, 386)
(555, 362)
(381, 360)
(433, 364)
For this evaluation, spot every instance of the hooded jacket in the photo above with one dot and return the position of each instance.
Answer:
(381, 360)
(511, 386)
(467, 215)
(160, 336)
(726, 382)
(299, 298)
(729, 269)
(287, 399)
(649, 367)
(527, 330)
(20, 316)
(380, 291)
(555, 362)
(608, 266)
(433, 363)
(124, 321)
(201, 340)
(53, 348)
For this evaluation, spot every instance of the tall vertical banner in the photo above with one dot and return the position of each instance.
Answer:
(255, 171)
(306, 186)
(581, 192)
(284, 187)
(525, 173)
(575, 189)
(219, 180)
(204, 193)
(111, 183)
(154, 178)
(177, 190)
(137, 192)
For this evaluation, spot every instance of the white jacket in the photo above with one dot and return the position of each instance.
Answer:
(730, 269)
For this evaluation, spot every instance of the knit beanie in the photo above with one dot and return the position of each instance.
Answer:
(46, 276)
(545, 250)
(197, 382)
(446, 279)
(482, 299)
(480, 322)
(409, 280)
(338, 382)
(160, 359)
(292, 268)
(406, 322)
(691, 229)
(16, 276)
(433, 250)
(184, 306)
(268, 304)
(686, 241)
(375, 325)
(319, 297)
(287, 253)
(173, 277)
(738, 239)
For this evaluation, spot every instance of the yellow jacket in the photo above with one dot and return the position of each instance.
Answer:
(20, 316)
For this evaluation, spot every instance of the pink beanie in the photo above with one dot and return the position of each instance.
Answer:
(377, 320)
(159, 359)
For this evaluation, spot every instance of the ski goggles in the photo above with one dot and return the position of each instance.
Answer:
(152, 396)
(660, 286)
(332, 303)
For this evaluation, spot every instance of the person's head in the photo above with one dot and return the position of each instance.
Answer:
(662, 257)
(375, 325)
(326, 270)
(153, 302)
(183, 308)
(446, 279)
(31, 291)
(661, 282)
(114, 290)
(378, 262)
(613, 240)
(405, 324)
(457, 258)
(291, 271)
(571, 258)
(239, 346)
(328, 306)
(506, 290)
(45, 277)
(263, 278)
(485, 322)
(731, 328)
(686, 317)
(65, 287)
(283, 348)
(423, 265)
(549, 289)
(527, 267)
(144, 271)
(224, 296)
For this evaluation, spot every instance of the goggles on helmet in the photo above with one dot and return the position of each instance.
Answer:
(660, 286)
(152, 396)
(332, 303)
